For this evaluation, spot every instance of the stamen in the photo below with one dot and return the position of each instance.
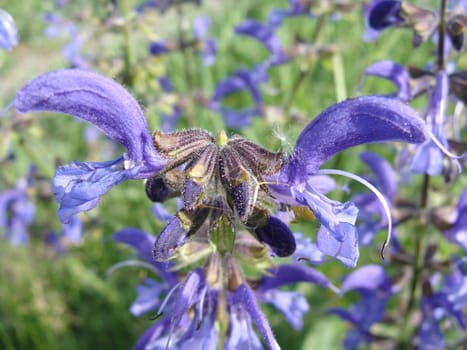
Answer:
(135, 263)
(446, 152)
(373, 189)
(8, 106)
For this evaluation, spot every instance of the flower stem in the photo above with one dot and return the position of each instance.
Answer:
(304, 72)
(441, 36)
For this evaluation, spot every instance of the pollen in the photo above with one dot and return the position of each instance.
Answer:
(221, 138)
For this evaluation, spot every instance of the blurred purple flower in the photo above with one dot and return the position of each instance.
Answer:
(277, 16)
(17, 211)
(105, 104)
(375, 290)
(207, 46)
(384, 179)
(450, 300)
(157, 48)
(458, 231)
(16, 214)
(395, 73)
(8, 33)
(428, 158)
(189, 308)
(265, 34)
(57, 26)
(241, 80)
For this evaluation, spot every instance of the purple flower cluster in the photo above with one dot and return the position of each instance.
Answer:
(292, 181)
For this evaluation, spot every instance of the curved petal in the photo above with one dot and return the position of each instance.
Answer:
(293, 273)
(8, 31)
(79, 186)
(393, 72)
(97, 100)
(350, 123)
(293, 305)
(142, 243)
(369, 277)
(171, 237)
(345, 250)
(385, 177)
(245, 296)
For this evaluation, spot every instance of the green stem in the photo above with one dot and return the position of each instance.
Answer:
(339, 76)
(418, 266)
(441, 36)
(304, 72)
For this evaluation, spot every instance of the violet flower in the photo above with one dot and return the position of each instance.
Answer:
(17, 211)
(57, 26)
(105, 104)
(207, 46)
(242, 80)
(189, 308)
(450, 300)
(375, 290)
(8, 33)
(16, 214)
(108, 106)
(429, 157)
(265, 34)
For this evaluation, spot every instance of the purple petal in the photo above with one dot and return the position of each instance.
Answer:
(395, 73)
(239, 118)
(431, 336)
(201, 25)
(307, 250)
(171, 237)
(73, 230)
(245, 296)
(332, 214)
(292, 305)
(277, 236)
(263, 33)
(143, 244)
(241, 334)
(79, 186)
(8, 32)
(385, 177)
(138, 240)
(188, 294)
(293, 273)
(345, 250)
(97, 100)
(369, 277)
(148, 297)
(360, 120)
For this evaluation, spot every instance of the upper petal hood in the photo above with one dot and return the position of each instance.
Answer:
(350, 123)
(97, 100)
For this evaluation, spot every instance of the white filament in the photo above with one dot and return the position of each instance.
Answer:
(446, 151)
(373, 189)
(126, 263)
